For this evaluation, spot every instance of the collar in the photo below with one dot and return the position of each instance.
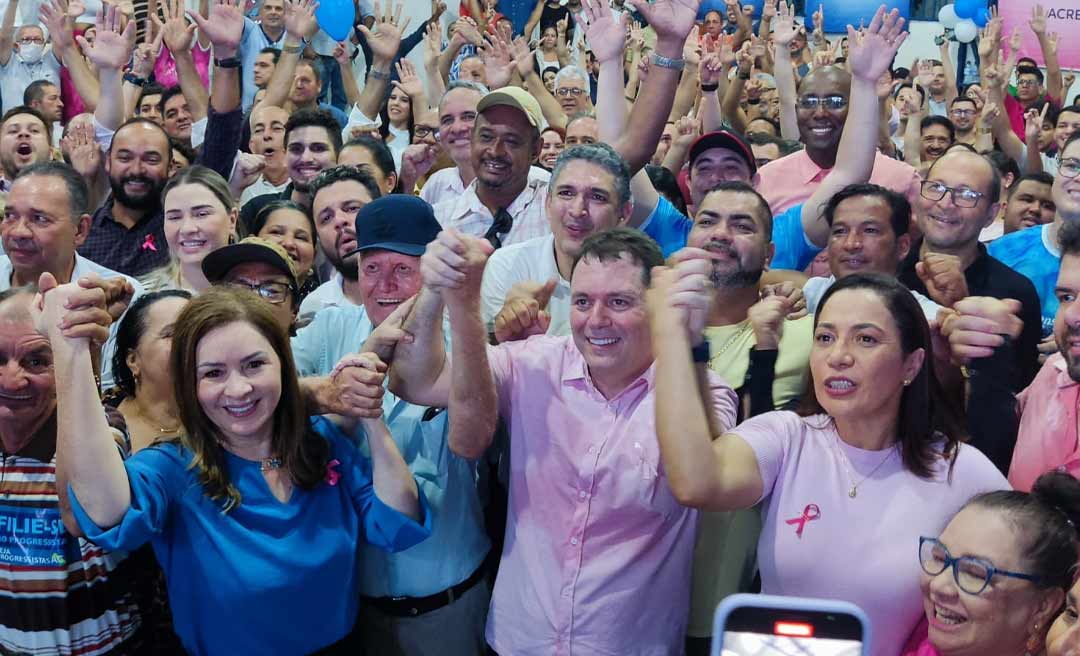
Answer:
(1063, 380)
(43, 447)
(470, 202)
(576, 370)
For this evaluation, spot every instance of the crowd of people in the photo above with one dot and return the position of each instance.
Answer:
(604, 313)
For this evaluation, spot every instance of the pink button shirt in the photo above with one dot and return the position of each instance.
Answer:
(598, 551)
(1047, 438)
(792, 179)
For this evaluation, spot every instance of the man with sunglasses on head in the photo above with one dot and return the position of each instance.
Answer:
(821, 112)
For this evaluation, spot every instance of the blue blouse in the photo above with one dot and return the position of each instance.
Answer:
(267, 577)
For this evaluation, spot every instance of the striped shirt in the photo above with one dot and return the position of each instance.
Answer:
(58, 594)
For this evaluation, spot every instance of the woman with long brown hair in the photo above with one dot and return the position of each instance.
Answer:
(256, 511)
(848, 484)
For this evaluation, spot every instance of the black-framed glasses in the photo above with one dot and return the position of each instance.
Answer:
(962, 112)
(971, 574)
(275, 292)
(931, 190)
(569, 91)
(1069, 168)
(831, 103)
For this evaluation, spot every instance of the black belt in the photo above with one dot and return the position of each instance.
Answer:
(413, 606)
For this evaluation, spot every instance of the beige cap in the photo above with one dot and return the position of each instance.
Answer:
(517, 98)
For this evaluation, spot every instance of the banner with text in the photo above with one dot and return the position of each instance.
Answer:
(1062, 17)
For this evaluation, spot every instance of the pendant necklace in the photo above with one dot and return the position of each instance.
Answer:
(270, 464)
(854, 491)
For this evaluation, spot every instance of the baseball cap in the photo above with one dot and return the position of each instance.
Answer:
(397, 222)
(728, 139)
(218, 263)
(515, 97)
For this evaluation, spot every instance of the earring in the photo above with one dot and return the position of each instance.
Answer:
(906, 382)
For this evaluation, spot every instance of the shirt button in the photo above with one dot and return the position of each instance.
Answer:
(1061, 468)
(583, 495)
(592, 449)
(573, 541)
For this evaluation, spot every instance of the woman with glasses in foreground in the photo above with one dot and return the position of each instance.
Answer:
(869, 463)
(996, 577)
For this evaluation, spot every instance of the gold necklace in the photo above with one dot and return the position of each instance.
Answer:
(854, 491)
(146, 420)
(730, 342)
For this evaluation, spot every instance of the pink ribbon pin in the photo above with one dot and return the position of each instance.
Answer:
(148, 244)
(332, 475)
(809, 514)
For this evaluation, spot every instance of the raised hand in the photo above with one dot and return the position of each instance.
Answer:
(453, 265)
(784, 29)
(978, 324)
(687, 130)
(300, 22)
(711, 68)
(416, 161)
(682, 293)
(54, 15)
(944, 278)
(637, 37)
(692, 48)
(1067, 80)
(767, 321)
(1052, 42)
(224, 26)
(872, 50)
(408, 81)
(343, 53)
(819, 20)
(768, 10)
(1033, 122)
(522, 57)
(247, 170)
(990, 112)
(112, 48)
(82, 149)
(1037, 22)
(438, 7)
(524, 313)
(670, 19)
(924, 73)
(73, 315)
(467, 29)
(991, 77)
(142, 62)
(177, 33)
(605, 35)
(385, 40)
(432, 44)
(1015, 39)
(499, 65)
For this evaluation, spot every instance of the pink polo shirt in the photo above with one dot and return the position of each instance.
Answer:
(792, 179)
(598, 551)
(1047, 437)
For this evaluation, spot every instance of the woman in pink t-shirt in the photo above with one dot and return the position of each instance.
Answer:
(996, 577)
(848, 484)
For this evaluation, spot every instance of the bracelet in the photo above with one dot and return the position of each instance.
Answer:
(228, 62)
(710, 87)
(753, 101)
(667, 62)
(700, 353)
(135, 79)
(379, 75)
(630, 98)
(291, 49)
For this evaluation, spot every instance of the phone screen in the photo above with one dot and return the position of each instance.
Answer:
(751, 631)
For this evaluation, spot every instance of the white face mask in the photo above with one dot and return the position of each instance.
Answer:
(31, 53)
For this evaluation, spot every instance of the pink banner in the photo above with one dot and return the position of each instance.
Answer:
(1062, 16)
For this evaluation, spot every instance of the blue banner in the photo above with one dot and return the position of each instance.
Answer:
(841, 13)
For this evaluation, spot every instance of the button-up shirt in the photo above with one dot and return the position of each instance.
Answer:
(458, 543)
(597, 553)
(1047, 439)
(133, 251)
(447, 183)
(467, 214)
(792, 179)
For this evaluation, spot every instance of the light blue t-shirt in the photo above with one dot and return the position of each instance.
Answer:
(1031, 253)
(458, 543)
(671, 228)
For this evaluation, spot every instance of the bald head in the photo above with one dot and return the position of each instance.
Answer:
(973, 169)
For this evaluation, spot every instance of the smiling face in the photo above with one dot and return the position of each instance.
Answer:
(1067, 125)
(582, 131)
(138, 165)
(503, 148)
(38, 232)
(398, 108)
(1067, 190)
(249, 275)
(150, 108)
(1031, 203)
(862, 239)
(1067, 319)
(149, 360)
(820, 128)
(24, 140)
(729, 226)
(1063, 639)
(308, 153)
(609, 321)
(387, 279)
(272, 13)
(934, 142)
(946, 226)
(239, 382)
(292, 229)
(196, 222)
(335, 208)
(962, 114)
(457, 116)
(714, 166)
(27, 385)
(177, 118)
(580, 203)
(551, 147)
(857, 360)
(999, 619)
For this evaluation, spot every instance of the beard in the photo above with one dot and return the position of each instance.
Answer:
(148, 201)
(1072, 364)
(737, 277)
(348, 267)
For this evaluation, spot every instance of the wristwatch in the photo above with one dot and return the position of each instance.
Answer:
(135, 79)
(700, 352)
(228, 62)
(710, 87)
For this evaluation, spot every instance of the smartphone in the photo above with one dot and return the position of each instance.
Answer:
(766, 625)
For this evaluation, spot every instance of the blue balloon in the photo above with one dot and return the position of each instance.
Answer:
(982, 17)
(336, 18)
(967, 8)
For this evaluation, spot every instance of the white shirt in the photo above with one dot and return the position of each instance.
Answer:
(532, 260)
(816, 287)
(83, 267)
(467, 214)
(329, 294)
(260, 187)
(16, 75)
(447, 183)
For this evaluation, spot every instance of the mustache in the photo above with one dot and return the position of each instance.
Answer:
(723, 247)
(138, 178)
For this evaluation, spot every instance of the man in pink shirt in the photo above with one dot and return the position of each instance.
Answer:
(821, 111)
(598, 550)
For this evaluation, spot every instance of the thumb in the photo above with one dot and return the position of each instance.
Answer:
(485, 246)
(401, 312)
(47, 282)
(1014, 305)
(543, 320)
(83, 45)
(920, 270)
(544, 295)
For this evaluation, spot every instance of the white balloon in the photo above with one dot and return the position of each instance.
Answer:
(966, 30)
(947, 16)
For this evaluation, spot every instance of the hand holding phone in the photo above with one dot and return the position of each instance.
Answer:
(761, 625)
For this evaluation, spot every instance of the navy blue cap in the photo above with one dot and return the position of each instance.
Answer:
(397, 222)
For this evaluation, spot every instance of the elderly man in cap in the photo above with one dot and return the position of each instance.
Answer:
(259, 265)
(503, 204)
(431, 598)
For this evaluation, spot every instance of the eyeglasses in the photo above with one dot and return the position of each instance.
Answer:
(831, 103)
(972, 575)
(962, 112)
(1069, 168)
(28, 40)
(422, 131)
(931, 190)
(275, 292)
(1027, 82)
(569, 91)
